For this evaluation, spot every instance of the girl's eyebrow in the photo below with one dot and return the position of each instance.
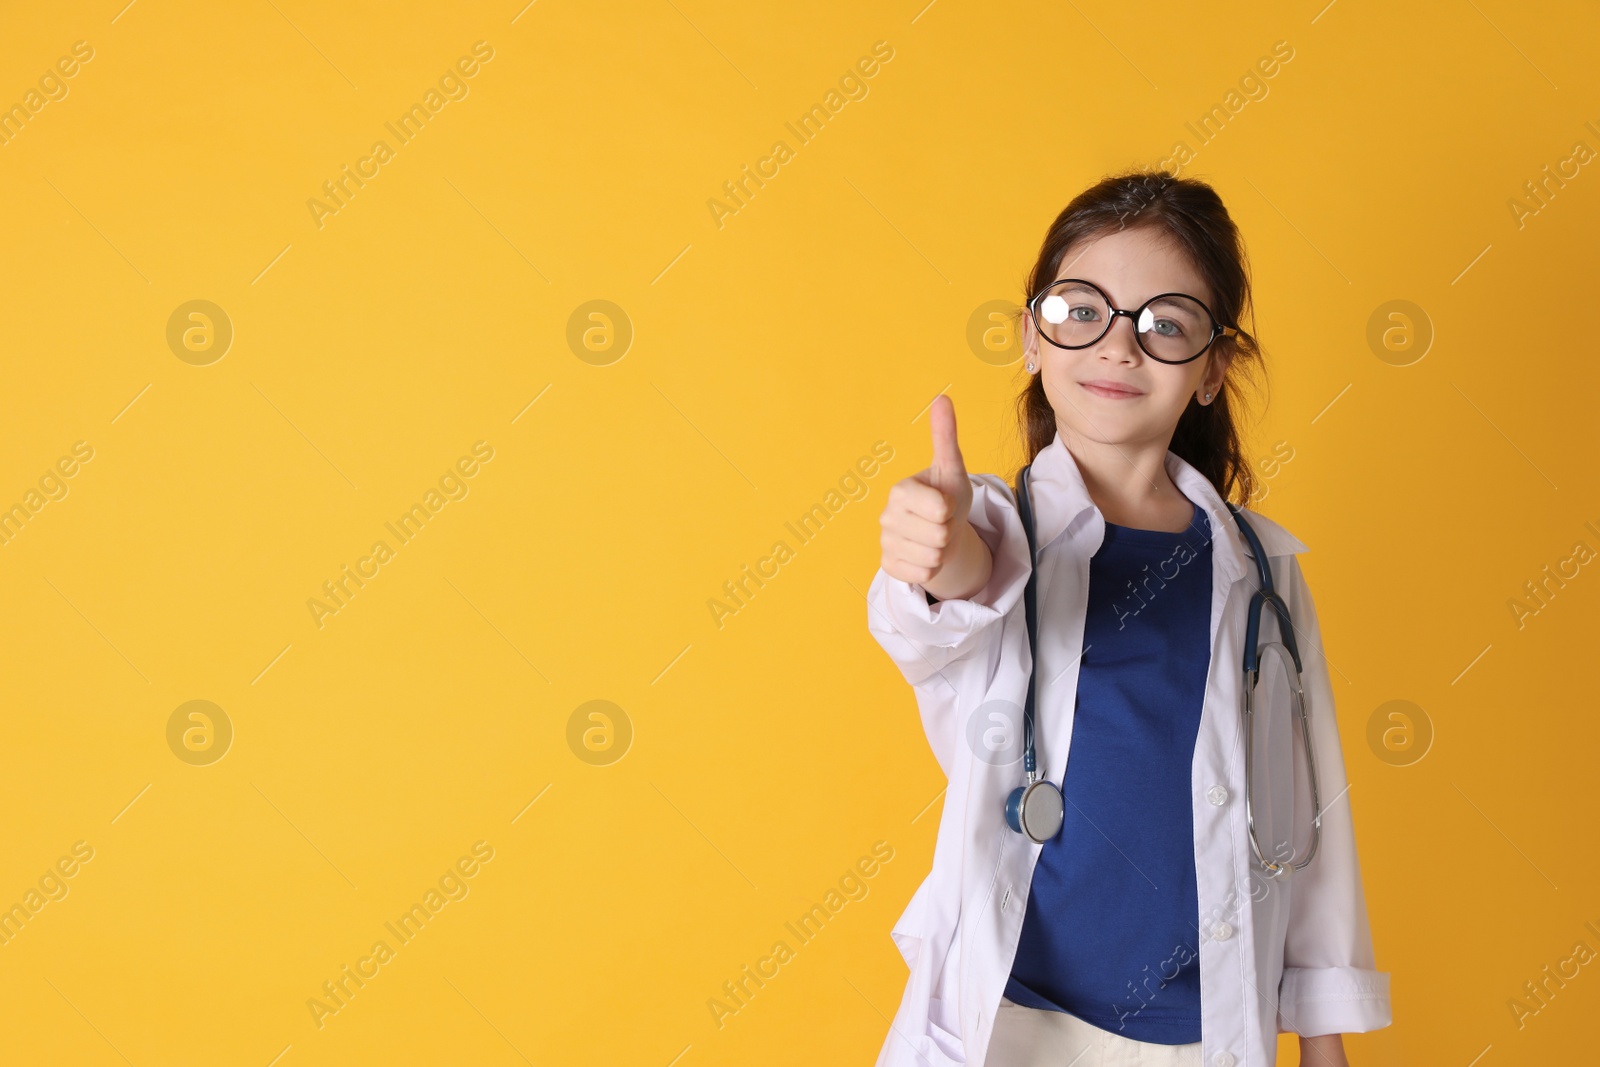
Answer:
(1193, 291)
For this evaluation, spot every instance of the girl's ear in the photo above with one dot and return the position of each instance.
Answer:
(1219, 368)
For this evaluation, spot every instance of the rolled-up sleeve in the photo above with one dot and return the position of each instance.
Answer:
(1331, 983)
(924, 639)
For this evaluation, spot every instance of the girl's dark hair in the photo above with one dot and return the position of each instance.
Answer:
(1188, 212)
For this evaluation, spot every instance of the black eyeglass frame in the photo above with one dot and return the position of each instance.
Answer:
(1217, 329)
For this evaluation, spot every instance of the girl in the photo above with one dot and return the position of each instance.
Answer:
(1145, 930)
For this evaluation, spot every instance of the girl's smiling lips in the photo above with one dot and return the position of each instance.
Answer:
(1112, 390)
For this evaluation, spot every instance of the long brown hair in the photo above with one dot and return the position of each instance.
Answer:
(1190, 213)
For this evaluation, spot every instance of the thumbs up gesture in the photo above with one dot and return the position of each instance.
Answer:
(927, 539)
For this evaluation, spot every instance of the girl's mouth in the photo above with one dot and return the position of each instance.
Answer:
(1111, 390)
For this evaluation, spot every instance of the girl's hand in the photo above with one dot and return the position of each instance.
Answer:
(927, 539)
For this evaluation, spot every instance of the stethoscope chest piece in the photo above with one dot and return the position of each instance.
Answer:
(1035, 810)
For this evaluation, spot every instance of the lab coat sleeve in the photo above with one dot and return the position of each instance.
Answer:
(924, 639)
(1330, 982)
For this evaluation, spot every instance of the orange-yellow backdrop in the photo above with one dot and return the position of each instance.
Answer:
(185, 494)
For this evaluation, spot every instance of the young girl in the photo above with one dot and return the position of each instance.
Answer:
(1147, 929)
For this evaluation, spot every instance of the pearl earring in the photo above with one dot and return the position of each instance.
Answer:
(1030, 366)
(1208, 396)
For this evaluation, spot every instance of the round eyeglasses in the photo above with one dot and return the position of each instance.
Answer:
(1170, 328)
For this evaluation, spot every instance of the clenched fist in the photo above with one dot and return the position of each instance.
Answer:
(927, 539)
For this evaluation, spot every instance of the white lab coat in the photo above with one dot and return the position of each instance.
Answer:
(1291, 955)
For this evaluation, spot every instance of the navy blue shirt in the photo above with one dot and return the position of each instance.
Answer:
(1110, 933)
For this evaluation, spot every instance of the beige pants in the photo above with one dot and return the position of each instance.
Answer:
(1035, 1037)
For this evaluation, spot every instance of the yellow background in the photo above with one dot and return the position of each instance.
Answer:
(769, 355)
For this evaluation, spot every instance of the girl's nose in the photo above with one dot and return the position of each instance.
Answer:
(1121, 340)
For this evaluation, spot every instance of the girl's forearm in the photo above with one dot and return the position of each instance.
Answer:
(1324, 1050)
(967, 572)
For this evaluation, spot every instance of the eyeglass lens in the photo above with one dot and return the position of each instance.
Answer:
(1170, 328)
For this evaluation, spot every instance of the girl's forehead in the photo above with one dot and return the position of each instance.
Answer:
(1132, 265)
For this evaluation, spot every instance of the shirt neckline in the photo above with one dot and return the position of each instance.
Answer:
(1137, 535)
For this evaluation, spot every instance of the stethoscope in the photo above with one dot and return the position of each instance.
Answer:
(1036, 809)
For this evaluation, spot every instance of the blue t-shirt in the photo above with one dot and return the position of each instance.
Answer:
(1110, 933)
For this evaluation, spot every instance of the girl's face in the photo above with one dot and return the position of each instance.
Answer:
(1131, 266)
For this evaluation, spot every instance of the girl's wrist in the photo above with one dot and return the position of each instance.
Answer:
(1324, 1050)
(968, 572)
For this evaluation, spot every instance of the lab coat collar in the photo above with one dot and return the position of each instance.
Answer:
(1061, 504)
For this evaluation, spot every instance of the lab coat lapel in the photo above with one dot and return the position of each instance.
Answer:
(1228, 559)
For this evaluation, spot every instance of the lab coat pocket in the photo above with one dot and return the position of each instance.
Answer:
(945, 1041)
(944, 1002)
(926, 1031)
(910, 930)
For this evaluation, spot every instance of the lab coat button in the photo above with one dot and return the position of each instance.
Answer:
(1223, 932)
(1223, 1059)
(1217, 794)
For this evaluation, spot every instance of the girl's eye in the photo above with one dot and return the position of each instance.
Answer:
(1168, 328)
(1090, 314)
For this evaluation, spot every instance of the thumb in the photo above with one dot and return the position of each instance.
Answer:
(949, 470)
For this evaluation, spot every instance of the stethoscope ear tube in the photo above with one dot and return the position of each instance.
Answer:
(1275, 868)
(1288, 648)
